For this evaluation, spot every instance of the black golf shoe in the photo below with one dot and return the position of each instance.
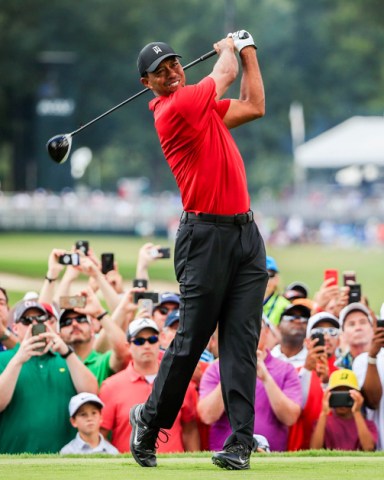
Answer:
(143, 439)
(234, 457)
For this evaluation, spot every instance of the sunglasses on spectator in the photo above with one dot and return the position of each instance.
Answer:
(331, 331)
(291, 318)
(271, 274)
(66, 322)
(29, 320)
(139, 341)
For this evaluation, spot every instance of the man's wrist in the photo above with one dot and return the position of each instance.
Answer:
(101, 315)
(68, 353)
(372, 360)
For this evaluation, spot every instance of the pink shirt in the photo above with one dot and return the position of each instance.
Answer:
(121, 392)
(200, 150)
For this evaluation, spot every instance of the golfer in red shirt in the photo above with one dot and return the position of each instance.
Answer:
(219, 253)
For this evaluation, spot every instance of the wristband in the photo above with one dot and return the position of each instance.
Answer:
(6, 335)
(50, 280)
(66, 355)
(372, 360)
(102, 315)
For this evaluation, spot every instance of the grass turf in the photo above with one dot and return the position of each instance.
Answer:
(314, 465)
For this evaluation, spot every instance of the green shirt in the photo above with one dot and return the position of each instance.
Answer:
(274, 307)
(98, 364)
(37, 420)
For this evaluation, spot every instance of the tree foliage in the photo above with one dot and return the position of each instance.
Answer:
(327, 55)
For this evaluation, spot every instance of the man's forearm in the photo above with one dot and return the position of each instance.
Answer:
(252, 87)
(8, 380)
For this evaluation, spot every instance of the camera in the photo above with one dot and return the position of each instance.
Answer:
(354, 293)
(163, 252)
(380, 323)
(320, 336)
(340, 399)
(39, 328)
(70, 259)
(75, 301)
(107, 262)
(83, 246)
(154, 296)
(349, 278)
(140, 282)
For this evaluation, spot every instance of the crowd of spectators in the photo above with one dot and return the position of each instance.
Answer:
(73, 363)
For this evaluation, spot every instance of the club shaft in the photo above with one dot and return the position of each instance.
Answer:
(200, 59)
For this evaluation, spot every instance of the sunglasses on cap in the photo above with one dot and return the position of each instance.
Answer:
(291, 318)
(29, 320)
(272, 273)
(66, 322)
(331, 331)
(139, 341)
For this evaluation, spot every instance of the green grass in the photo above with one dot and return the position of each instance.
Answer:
(27, 254)
(312, 465)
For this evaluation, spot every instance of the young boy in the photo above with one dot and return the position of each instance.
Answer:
(85, 415)
(341, 425)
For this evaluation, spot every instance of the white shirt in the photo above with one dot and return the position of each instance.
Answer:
(296, 361)
(77, 445)
(359, 366)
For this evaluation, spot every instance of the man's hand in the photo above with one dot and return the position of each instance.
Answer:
(242, 39)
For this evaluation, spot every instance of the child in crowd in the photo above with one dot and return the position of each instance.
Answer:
(341, 425)
(85, 415)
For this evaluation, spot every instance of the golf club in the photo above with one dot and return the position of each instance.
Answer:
(59, 146)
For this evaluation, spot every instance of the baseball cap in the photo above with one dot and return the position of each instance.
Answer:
(353, 307)
(271, 264)
(172, 317)
(140, 324)
(321, 317)
(152, 55)
(25, 305)
(51, 310)
(80, 399)
(168, 297)
(343, 378)
(296, 290)
(302, 309)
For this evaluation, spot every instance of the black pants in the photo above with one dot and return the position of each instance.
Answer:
(222, 275)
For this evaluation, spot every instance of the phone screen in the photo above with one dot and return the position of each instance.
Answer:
(333, 274)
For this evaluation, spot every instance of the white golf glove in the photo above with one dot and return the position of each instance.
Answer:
(242, 39)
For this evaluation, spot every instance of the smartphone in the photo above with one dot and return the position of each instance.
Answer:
(39, 328)
(340, 399)
(354, 293)
(70, 259)
(154, 296)
(380, 323)
(140, 282)
(74, 301)
(146, 303)
(331, 273)
(349, 277)
(160, 253)
(107, 262)
(321, 340)
(83, 246)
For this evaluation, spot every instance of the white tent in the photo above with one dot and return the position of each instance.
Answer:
(357, 141)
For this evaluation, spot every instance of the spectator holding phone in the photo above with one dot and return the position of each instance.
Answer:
(77, 331)
(274, 303)
(369, 369)
(341, 425)
(37, 379)
(357, 330)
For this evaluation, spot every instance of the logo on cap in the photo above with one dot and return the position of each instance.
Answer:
(157, 49)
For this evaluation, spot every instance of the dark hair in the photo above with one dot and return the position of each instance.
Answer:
(5, 293)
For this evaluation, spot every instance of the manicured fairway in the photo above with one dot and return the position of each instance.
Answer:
(193, 467)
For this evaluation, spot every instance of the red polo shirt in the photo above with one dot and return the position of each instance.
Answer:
(200, 150)
(121, 392)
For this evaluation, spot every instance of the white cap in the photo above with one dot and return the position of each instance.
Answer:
(80, 399)
(354, 307)
(321, 317)
(140, 324)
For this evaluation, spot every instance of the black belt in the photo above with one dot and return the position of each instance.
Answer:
(238, 219)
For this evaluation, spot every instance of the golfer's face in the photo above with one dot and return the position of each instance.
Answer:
(167, 78)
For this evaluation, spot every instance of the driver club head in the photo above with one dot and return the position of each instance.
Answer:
(59, 147)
